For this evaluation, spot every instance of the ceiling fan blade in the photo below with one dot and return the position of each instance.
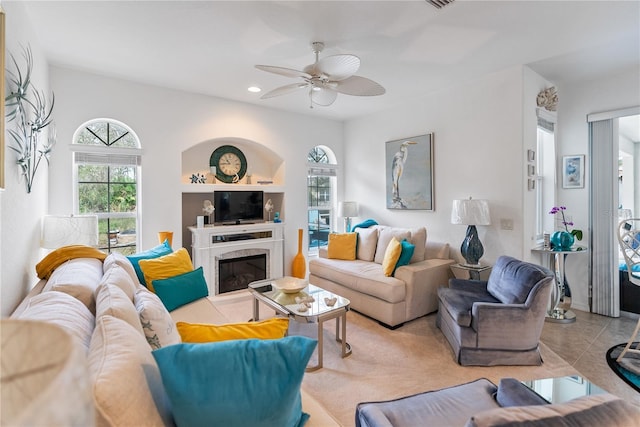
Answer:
(338, 67)
(287, 72)
(357, 86)
(283, 90)
(322, 96)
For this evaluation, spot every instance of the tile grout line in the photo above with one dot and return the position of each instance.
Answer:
(604, 328)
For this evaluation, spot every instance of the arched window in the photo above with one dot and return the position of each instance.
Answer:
(107, 169)
(321, 195)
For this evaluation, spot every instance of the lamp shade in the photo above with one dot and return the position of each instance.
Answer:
(470, 212)
(347, 209)
(63, 230)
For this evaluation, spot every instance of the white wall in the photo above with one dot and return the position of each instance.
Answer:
(478, 131)
(169, 122)
(576, 100)
(20, 212)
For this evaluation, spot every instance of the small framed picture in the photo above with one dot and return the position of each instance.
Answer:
(531, 170)
(531, 155)
(573, 171)
(531, 183)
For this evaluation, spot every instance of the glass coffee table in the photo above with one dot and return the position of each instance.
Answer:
(563, 389)
(316, 311)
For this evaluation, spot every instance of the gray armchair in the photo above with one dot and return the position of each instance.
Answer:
(499, 321)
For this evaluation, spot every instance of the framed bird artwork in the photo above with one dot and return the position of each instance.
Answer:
(409, 171)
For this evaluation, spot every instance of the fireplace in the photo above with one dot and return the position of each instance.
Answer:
(236, 269)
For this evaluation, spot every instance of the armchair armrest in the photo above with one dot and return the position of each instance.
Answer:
(506, 326)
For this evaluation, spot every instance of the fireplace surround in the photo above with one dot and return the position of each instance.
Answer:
(232, 256)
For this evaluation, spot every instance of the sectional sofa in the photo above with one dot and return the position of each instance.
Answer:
(118, 324)
(410, 292)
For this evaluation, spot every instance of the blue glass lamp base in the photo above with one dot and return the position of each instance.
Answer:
(471, 248)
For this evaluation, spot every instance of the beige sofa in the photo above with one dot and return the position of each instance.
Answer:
(410, 293)
(117, 322)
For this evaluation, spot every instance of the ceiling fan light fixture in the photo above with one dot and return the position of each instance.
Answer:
(439, 4)
(254, 89)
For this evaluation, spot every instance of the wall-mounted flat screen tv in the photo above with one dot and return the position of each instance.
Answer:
(238, 207)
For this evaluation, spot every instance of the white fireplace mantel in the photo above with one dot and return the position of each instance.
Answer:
(212, 242)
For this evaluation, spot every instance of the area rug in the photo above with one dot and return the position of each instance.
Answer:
(388, 364)
(629, 367)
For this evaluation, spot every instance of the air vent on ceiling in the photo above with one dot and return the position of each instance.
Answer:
(439, 3)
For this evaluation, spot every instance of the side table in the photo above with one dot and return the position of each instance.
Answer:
(471, 272)
(560, 301)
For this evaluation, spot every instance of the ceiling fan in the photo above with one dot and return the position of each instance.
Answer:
(325, 78)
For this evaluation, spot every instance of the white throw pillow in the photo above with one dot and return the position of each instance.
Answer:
(127, 386)
(116, 258)
(118, 276)
(112, 301)
(367, 242)
(419, 240)
(157, 324)
(79, 278)
(62, 310)
(385, 234)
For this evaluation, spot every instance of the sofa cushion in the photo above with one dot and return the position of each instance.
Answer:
(511, 280)
(236, 383)
(367, 242)
(459, 303)
(127, 386)
(391, 256)
(273, 328)
(118, 276)
(512, 392)
(166, 266)
(182, 289)
(342, 246)
(157, 324)
(62, 310)
(112, 301)
(385, 234)
(79, 278)
(155, 252)
(362, 276)
(116, 258)
(595, 410)
(419, 240)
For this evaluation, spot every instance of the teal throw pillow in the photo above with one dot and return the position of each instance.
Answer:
(236, 383)
(160, 250)
(405, 255)
(182, 289)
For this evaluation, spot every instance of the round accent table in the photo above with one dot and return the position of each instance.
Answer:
(560, 301)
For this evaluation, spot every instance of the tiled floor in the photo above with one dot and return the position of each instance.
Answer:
(584, 345)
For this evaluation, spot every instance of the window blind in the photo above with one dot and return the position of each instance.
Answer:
(108, 158)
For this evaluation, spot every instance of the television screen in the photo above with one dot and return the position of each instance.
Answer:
(236, 207)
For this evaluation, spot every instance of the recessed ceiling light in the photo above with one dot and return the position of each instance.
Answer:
(254, 89)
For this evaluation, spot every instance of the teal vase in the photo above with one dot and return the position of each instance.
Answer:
(562, 241)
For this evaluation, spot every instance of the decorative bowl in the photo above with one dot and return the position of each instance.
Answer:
(290, 285)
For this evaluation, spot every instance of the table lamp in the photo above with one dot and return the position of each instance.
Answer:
(63, 230)
(347, 210)
(471, 212)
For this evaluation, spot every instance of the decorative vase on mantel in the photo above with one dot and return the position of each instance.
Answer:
(562, 240)
(299, 264)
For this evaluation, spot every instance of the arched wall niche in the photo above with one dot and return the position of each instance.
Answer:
(262, 162)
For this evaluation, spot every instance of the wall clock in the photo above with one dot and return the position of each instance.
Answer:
(230, 163)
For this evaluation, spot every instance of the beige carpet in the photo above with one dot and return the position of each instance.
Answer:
(387, 364)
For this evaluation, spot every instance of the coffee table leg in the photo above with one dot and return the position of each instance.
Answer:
(320, 341)
(342, 338)
(256, 310)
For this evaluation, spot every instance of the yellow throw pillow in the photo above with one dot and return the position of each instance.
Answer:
(342, 246)
(266, 329)
(391, 256)
(166, 266)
